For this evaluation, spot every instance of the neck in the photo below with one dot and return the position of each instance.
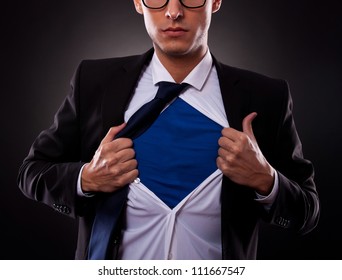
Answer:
(179, 66)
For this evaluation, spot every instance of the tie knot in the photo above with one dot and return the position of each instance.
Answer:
(168, 90)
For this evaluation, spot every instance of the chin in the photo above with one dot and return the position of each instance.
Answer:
(176, 50)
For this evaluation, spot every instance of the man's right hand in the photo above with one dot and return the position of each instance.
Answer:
(113, 165)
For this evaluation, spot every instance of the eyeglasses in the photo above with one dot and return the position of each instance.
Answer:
(158, 4)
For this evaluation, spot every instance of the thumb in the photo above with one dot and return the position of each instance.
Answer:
(112, 132)
(247, 125)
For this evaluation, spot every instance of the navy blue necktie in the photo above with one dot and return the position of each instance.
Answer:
(109, 211)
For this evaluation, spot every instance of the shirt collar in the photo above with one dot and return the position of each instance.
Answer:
(196, 78)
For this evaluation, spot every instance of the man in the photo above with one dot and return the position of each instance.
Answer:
(195, 184)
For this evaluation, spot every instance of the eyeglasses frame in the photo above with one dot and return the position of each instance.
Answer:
(167, 2)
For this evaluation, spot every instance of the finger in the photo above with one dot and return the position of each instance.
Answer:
(117, 145)
(125, 155)
(247, 125)
(222, 153)
(231, 133)
(225, 142)
(130, 176)
(126, 178)
(112, 132)
(228, 158)
(222, 165)
(119, 169)
(129, 166)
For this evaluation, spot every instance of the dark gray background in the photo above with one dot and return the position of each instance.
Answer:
(42, 43)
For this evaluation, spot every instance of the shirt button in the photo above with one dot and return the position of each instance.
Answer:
(137, 180)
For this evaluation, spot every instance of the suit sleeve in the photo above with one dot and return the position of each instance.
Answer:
(297, 204)
(49, 173)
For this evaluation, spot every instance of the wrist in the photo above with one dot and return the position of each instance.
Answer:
(87, 186)
(265, 183)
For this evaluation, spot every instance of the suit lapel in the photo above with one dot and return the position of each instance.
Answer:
(121, 88)
(236, 101)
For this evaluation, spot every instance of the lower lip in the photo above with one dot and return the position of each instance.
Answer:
(176, 33)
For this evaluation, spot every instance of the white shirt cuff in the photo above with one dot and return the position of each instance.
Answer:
(268, 200)
(79, 185)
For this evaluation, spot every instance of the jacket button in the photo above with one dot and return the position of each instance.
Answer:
(66, 210)
(61, 208)
(282, 221)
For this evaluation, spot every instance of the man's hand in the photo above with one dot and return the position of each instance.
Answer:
(113, 165)
(241, 160)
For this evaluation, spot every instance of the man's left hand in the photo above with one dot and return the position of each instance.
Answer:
(241, 159)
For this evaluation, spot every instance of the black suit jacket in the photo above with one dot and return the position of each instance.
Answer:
(100, 93)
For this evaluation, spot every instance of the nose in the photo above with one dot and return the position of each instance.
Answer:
(174, 9)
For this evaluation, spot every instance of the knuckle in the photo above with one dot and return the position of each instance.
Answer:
(243, 139)
(227, 158)
(230, 158)
(116, 171)
(115, 158)
(103, 149)
(236, 150)
(104, 163)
